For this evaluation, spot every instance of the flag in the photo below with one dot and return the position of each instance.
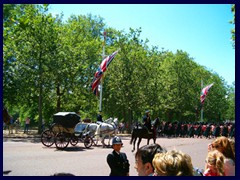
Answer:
(105, 63)
(204, 92)
(94, 85)
(101, 69)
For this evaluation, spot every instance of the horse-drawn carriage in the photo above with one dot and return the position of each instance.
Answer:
(67, 128)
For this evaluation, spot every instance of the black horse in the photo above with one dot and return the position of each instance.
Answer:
(142, 132)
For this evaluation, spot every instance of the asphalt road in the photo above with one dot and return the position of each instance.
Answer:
(28, 157)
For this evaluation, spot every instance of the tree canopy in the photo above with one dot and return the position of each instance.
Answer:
(48, 66)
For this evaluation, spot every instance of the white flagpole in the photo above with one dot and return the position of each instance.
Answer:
(202, 104)
(101, 82)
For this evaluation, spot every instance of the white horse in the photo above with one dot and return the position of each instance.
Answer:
(106, 128)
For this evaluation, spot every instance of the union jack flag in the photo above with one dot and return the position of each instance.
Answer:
(204, 92)
(101, 69)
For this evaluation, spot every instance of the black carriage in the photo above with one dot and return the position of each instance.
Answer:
(62, 131)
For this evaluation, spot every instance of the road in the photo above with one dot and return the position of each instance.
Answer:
(28, 157)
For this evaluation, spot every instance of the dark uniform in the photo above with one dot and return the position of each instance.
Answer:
(99, 117)
(147, 121)
(118, 162)
(206, 133)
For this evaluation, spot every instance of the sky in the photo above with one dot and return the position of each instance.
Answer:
(201, 30)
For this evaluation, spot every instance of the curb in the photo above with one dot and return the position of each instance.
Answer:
(22, 135)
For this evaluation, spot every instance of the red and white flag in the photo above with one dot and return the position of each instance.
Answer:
(101, 69)
(204, 92)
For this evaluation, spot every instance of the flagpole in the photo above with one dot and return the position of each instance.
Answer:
(101, 81)
(202, 104)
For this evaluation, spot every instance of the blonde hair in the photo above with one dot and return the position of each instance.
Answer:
(173, 163)
(216, 159)
(223, 145)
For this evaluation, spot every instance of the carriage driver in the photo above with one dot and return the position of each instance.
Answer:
(147, 121)
(99, 117)
(117, 160)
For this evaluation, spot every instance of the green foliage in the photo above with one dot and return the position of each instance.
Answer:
(49, 66)
(233, 22)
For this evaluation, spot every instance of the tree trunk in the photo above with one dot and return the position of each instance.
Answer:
(40, 103)
(58, 109)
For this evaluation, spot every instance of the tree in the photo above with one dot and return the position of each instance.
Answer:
(49, 65)
(28, 50)
(230, 112)
(233, 22)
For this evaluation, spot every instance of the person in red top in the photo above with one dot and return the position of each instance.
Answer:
(214, 164)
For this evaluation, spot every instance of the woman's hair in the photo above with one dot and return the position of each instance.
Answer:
(173, 163)
(216, 159)
(223, 145)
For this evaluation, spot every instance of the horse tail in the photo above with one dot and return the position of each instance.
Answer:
(132, 136)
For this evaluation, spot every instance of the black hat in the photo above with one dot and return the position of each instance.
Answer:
(117, 140)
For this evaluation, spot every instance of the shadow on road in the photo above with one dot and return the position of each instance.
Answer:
(22, 139)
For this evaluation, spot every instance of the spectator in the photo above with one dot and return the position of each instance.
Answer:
(17, 125)
(223, 145)
(172, 163)
(144, 157)
(214, 164)
(27, 122)
(11, 125)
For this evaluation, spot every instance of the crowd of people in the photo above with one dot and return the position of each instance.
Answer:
(16, 125)
(188, 129)
(198, 130)
(154, 160)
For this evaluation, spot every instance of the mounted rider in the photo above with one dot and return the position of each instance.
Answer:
(147, 121)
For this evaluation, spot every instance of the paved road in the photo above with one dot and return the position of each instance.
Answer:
(28, 157)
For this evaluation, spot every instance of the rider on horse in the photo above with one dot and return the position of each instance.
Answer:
(147, 121)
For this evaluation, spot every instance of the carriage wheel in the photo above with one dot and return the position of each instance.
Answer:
(95, 141)
(74, 141)
(47, 138)
(88, 142)
(62, 140)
